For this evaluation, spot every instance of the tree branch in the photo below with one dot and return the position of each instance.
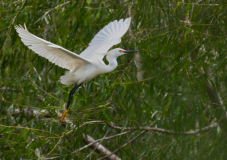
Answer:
(125, 144)
(41, 113)
(105, 138)
(207, 128)
(99, 148)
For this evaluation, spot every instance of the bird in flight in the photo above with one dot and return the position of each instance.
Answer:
(89, 64)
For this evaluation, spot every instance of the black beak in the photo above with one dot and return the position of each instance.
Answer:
(130, 51)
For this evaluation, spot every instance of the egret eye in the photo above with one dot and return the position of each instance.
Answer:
(120, 50)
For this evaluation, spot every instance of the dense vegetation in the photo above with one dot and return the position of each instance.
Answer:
(167, 102)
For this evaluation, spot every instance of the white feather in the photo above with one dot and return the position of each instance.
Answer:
(52, 52)
(107, 37)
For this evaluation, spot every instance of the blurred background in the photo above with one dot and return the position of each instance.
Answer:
(166, 102)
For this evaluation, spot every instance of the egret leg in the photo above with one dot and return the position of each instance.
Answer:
(64, 114)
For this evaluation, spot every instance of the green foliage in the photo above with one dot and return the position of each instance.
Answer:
(183, 55)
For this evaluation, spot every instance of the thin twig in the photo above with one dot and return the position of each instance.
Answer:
(165, 130)
(55, 145)
(51, 10)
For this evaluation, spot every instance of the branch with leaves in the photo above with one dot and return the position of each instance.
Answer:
(91, 143)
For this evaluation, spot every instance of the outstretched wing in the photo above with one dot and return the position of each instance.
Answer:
(54, 53)
(107, 37)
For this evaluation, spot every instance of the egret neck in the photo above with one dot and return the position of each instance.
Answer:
(112, 59)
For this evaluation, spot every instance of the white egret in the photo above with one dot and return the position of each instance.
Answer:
(89, 63)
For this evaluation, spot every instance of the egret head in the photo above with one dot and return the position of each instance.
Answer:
(119, 51)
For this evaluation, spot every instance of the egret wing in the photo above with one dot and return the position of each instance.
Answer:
(54, 53)
(107, 37)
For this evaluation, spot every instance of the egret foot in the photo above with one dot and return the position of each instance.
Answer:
(64, 114)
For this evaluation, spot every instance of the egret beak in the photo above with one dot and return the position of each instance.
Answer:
(130, 51)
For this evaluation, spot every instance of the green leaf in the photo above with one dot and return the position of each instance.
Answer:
(105, 114)
(9, 135)
(186, 33)
(178, 4)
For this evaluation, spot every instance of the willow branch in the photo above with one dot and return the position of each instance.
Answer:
(99, 148)
(105, 138)
(211, 90)
(124, 144)
(207, 128)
